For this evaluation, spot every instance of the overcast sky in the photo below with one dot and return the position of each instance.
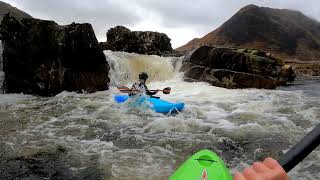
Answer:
(181, 20)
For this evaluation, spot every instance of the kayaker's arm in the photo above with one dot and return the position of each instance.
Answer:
(269, 169)
(150, 93)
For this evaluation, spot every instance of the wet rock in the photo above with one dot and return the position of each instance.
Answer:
(306, 70)
(39, 166)
(229, 68)
(121, 38)
(55, 164)
(287, 74)
(232, 79)
(41, 57)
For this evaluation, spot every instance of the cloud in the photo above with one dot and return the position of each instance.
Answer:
(101, 14)
(181, 20)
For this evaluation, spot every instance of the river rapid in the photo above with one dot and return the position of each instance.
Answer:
(118, 142)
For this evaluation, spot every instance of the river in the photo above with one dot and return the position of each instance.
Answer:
(240, 125)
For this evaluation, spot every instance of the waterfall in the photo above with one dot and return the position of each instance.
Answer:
(125, 67)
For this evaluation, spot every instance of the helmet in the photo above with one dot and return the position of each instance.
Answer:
(143, 76)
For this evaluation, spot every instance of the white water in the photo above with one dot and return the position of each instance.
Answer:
(125, 67)
(239, 125)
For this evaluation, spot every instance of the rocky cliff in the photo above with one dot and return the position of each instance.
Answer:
(41, 57)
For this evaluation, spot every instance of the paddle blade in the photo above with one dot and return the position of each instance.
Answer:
(166, 90)
(124, 89)
(155, 97)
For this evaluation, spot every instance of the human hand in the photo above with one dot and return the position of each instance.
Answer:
(269, 169)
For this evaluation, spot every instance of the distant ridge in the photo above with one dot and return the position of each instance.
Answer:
(7, 8)
(288, 34)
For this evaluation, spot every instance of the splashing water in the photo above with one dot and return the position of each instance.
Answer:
(126, 67)
(240, 125)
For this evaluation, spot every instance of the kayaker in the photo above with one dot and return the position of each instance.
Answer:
(269, 169)
(140, 87)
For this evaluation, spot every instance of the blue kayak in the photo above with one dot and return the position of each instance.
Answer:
(158, 105)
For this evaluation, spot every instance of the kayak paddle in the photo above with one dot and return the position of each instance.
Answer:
(125, 89)
(166, 90)
(301, 150)
(206, 165)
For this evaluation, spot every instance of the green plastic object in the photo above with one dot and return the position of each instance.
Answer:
(204, 165)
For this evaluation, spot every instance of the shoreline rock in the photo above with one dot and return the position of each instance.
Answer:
(51, 164)
(230, 68)
(306, 69)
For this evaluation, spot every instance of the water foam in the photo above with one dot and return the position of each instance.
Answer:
(125, 67)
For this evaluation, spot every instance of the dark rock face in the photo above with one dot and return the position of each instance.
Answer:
(121, 38)
(41, 57)
(230, 68)
(1, 68)
(45, 165)
(5, 9)
(39, 166)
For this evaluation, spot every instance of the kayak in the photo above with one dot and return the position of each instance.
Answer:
(157, 104)
(204, 165)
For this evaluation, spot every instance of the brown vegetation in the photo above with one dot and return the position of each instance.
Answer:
(286, 33)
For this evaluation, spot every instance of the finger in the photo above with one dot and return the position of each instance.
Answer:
(272, 164)
(277, 168)
(239, 176)
(250, 174)
(259, 167)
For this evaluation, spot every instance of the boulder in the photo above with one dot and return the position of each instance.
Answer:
(229, 68)
(121, 38)
(41, 57)
(49, 164)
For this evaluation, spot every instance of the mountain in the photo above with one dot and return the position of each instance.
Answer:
(7, 8)
(286, 33)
